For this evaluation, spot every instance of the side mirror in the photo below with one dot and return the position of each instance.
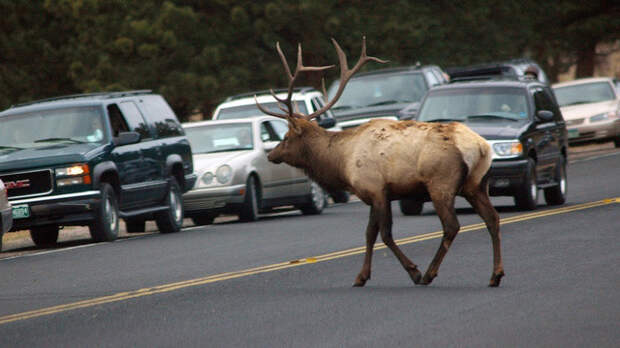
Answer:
(126, 138)
(545, 115)
(327, 122)
(270, 145)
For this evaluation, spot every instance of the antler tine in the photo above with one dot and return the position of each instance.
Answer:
(345, 74)
(265, 111)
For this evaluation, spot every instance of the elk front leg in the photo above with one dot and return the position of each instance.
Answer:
(445, 210)
(371, 237)
(385, 225)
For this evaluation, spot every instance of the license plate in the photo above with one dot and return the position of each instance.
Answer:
(21, 211)
(573, 133)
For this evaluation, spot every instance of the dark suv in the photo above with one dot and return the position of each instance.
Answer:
(91, 159)
(521, 120)
(392, 93)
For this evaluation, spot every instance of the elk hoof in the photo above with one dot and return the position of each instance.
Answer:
(427, 279)
(360, 281)
(495, 279)
(415, 275)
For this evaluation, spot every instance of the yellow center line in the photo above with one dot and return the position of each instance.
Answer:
(122, 296)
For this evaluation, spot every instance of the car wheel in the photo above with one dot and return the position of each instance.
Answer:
(340, 196)
(44, 236)
(171, 219)
(527, 195)
(200, 220)
(249, 211)
(411, 206)
(617, 141)
(104, 227)
(557, 194)
(317, 200)
(135, 225)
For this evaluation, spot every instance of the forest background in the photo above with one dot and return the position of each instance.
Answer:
(196, 53)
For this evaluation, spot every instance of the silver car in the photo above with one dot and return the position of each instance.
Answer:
(235, 177)
(6, 212)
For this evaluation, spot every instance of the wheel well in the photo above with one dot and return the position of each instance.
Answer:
(532, 155)
(111, 178)
(177, 173)
(259, 185)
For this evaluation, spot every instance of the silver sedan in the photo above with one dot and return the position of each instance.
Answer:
(235, 177)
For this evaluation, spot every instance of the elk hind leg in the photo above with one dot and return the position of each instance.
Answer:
(385, 226)
(444, 206)
(479, 200)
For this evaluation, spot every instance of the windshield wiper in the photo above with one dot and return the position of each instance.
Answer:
(59, 139)
(579, 102)
(4, 147)
(342, 107)
(386, 102)
(444, 120)
(482, 116)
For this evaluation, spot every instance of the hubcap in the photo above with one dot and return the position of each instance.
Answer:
(318, 196)
(175, 206)
(533, 189)
(110, 214)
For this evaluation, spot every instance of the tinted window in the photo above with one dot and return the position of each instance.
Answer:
(134, 119)
(161, 117)
(544, 101)
(117, 121)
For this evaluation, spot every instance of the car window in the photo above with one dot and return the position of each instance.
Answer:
(431, 78)
(83, 124)
(251, 110)
(135, 120)
(117, 120)
(220, 137)
(584, 93)
(280, 127)
(544, 101)
(161, 117)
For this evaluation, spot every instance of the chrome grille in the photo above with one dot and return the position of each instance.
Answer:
(26, 184)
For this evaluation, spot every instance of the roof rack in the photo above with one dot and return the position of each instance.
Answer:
(118, 94)
(268, 92)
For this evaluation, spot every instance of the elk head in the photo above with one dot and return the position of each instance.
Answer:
(301, 129)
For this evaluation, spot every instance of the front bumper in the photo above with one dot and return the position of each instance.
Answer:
(214, 199)
(66, 209)
(594, 131)
(505, 177)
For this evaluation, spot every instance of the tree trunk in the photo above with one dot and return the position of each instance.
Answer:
(585, 60)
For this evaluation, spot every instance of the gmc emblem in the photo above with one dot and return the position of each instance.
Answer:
(17, 184)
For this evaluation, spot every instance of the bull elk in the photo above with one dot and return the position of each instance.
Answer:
(384, 160)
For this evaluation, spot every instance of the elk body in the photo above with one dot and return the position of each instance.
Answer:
(385, 160)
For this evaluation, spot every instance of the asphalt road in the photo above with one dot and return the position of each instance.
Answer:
(286, 281)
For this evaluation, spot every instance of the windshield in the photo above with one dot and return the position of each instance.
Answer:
(245, 111)
(584, 93)
(379, 90)
(44, 127)
(220, 137)
(475, 104)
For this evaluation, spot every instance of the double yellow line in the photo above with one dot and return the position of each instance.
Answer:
(122, 296)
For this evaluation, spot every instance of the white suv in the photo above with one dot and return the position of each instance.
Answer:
(307, 100)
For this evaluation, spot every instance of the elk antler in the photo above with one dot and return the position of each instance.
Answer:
(345, 75)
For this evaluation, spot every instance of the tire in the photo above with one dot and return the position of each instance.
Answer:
(200, 220)
(556, 195)
(527, 195)
(44, 236)
(171, 219)
(105, 226)
(135, 225)
(249, 211)
(340, 196)
(411, 206)
(317, 200)
(617, 141)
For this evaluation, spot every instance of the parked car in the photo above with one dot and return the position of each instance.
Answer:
(91, 159)
(512, 68)
(392, 93)
(234, 175)
(522, 122)
(591, 107)
(307, 101)
(6, 212)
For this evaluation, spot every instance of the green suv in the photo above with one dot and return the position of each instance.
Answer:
(92, 159)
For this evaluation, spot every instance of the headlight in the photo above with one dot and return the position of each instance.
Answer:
(73, 175)
(508, 149)
(600, 117)
(207, 178)
(223, 174)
